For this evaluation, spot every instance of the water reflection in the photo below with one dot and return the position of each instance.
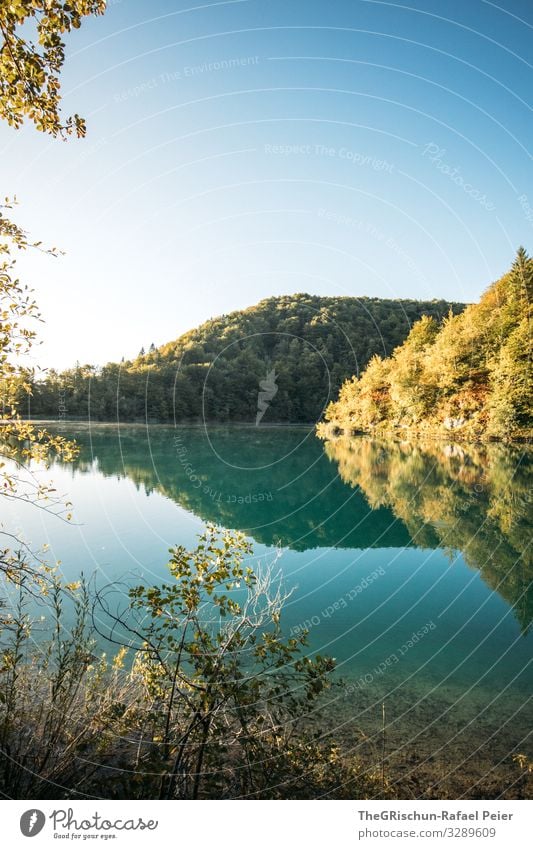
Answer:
(283, 486)
(475, 499)
(275, 484)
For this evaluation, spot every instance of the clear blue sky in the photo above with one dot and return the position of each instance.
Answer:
(238, 150)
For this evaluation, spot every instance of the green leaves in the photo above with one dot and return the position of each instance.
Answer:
(29, 74)
(19, 440)
(215, 371)
(213, 655)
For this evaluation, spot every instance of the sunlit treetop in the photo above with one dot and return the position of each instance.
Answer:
(31, 58)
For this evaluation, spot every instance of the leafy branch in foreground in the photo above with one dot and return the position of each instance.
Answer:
(32, 53)
(30, 69)
(204, 699)
(220, 675)
(20, 442)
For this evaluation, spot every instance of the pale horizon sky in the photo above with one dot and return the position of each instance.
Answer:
(238, 150)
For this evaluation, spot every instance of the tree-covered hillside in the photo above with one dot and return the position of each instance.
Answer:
(469, 376)
(281, 360)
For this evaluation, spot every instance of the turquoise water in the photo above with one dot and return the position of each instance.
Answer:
(409, 564)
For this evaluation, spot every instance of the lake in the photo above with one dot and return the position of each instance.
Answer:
(409, 563)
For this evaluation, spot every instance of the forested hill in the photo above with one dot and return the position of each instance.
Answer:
(470, 377)
(282, 360)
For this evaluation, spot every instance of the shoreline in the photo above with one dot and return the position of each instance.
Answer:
(196, 425)
(326, 432)
(330, 432)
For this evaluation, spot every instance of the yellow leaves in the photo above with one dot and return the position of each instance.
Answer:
(119, 658)
(523, 762)
(30, 73)
(450, 376)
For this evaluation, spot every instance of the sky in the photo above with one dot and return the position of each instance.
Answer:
(243, 149)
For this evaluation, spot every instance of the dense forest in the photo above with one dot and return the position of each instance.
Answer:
(282, 360)
(469, 376)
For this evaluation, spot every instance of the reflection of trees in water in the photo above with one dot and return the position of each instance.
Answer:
(472, 498)
(299, 502)
(375, 493)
